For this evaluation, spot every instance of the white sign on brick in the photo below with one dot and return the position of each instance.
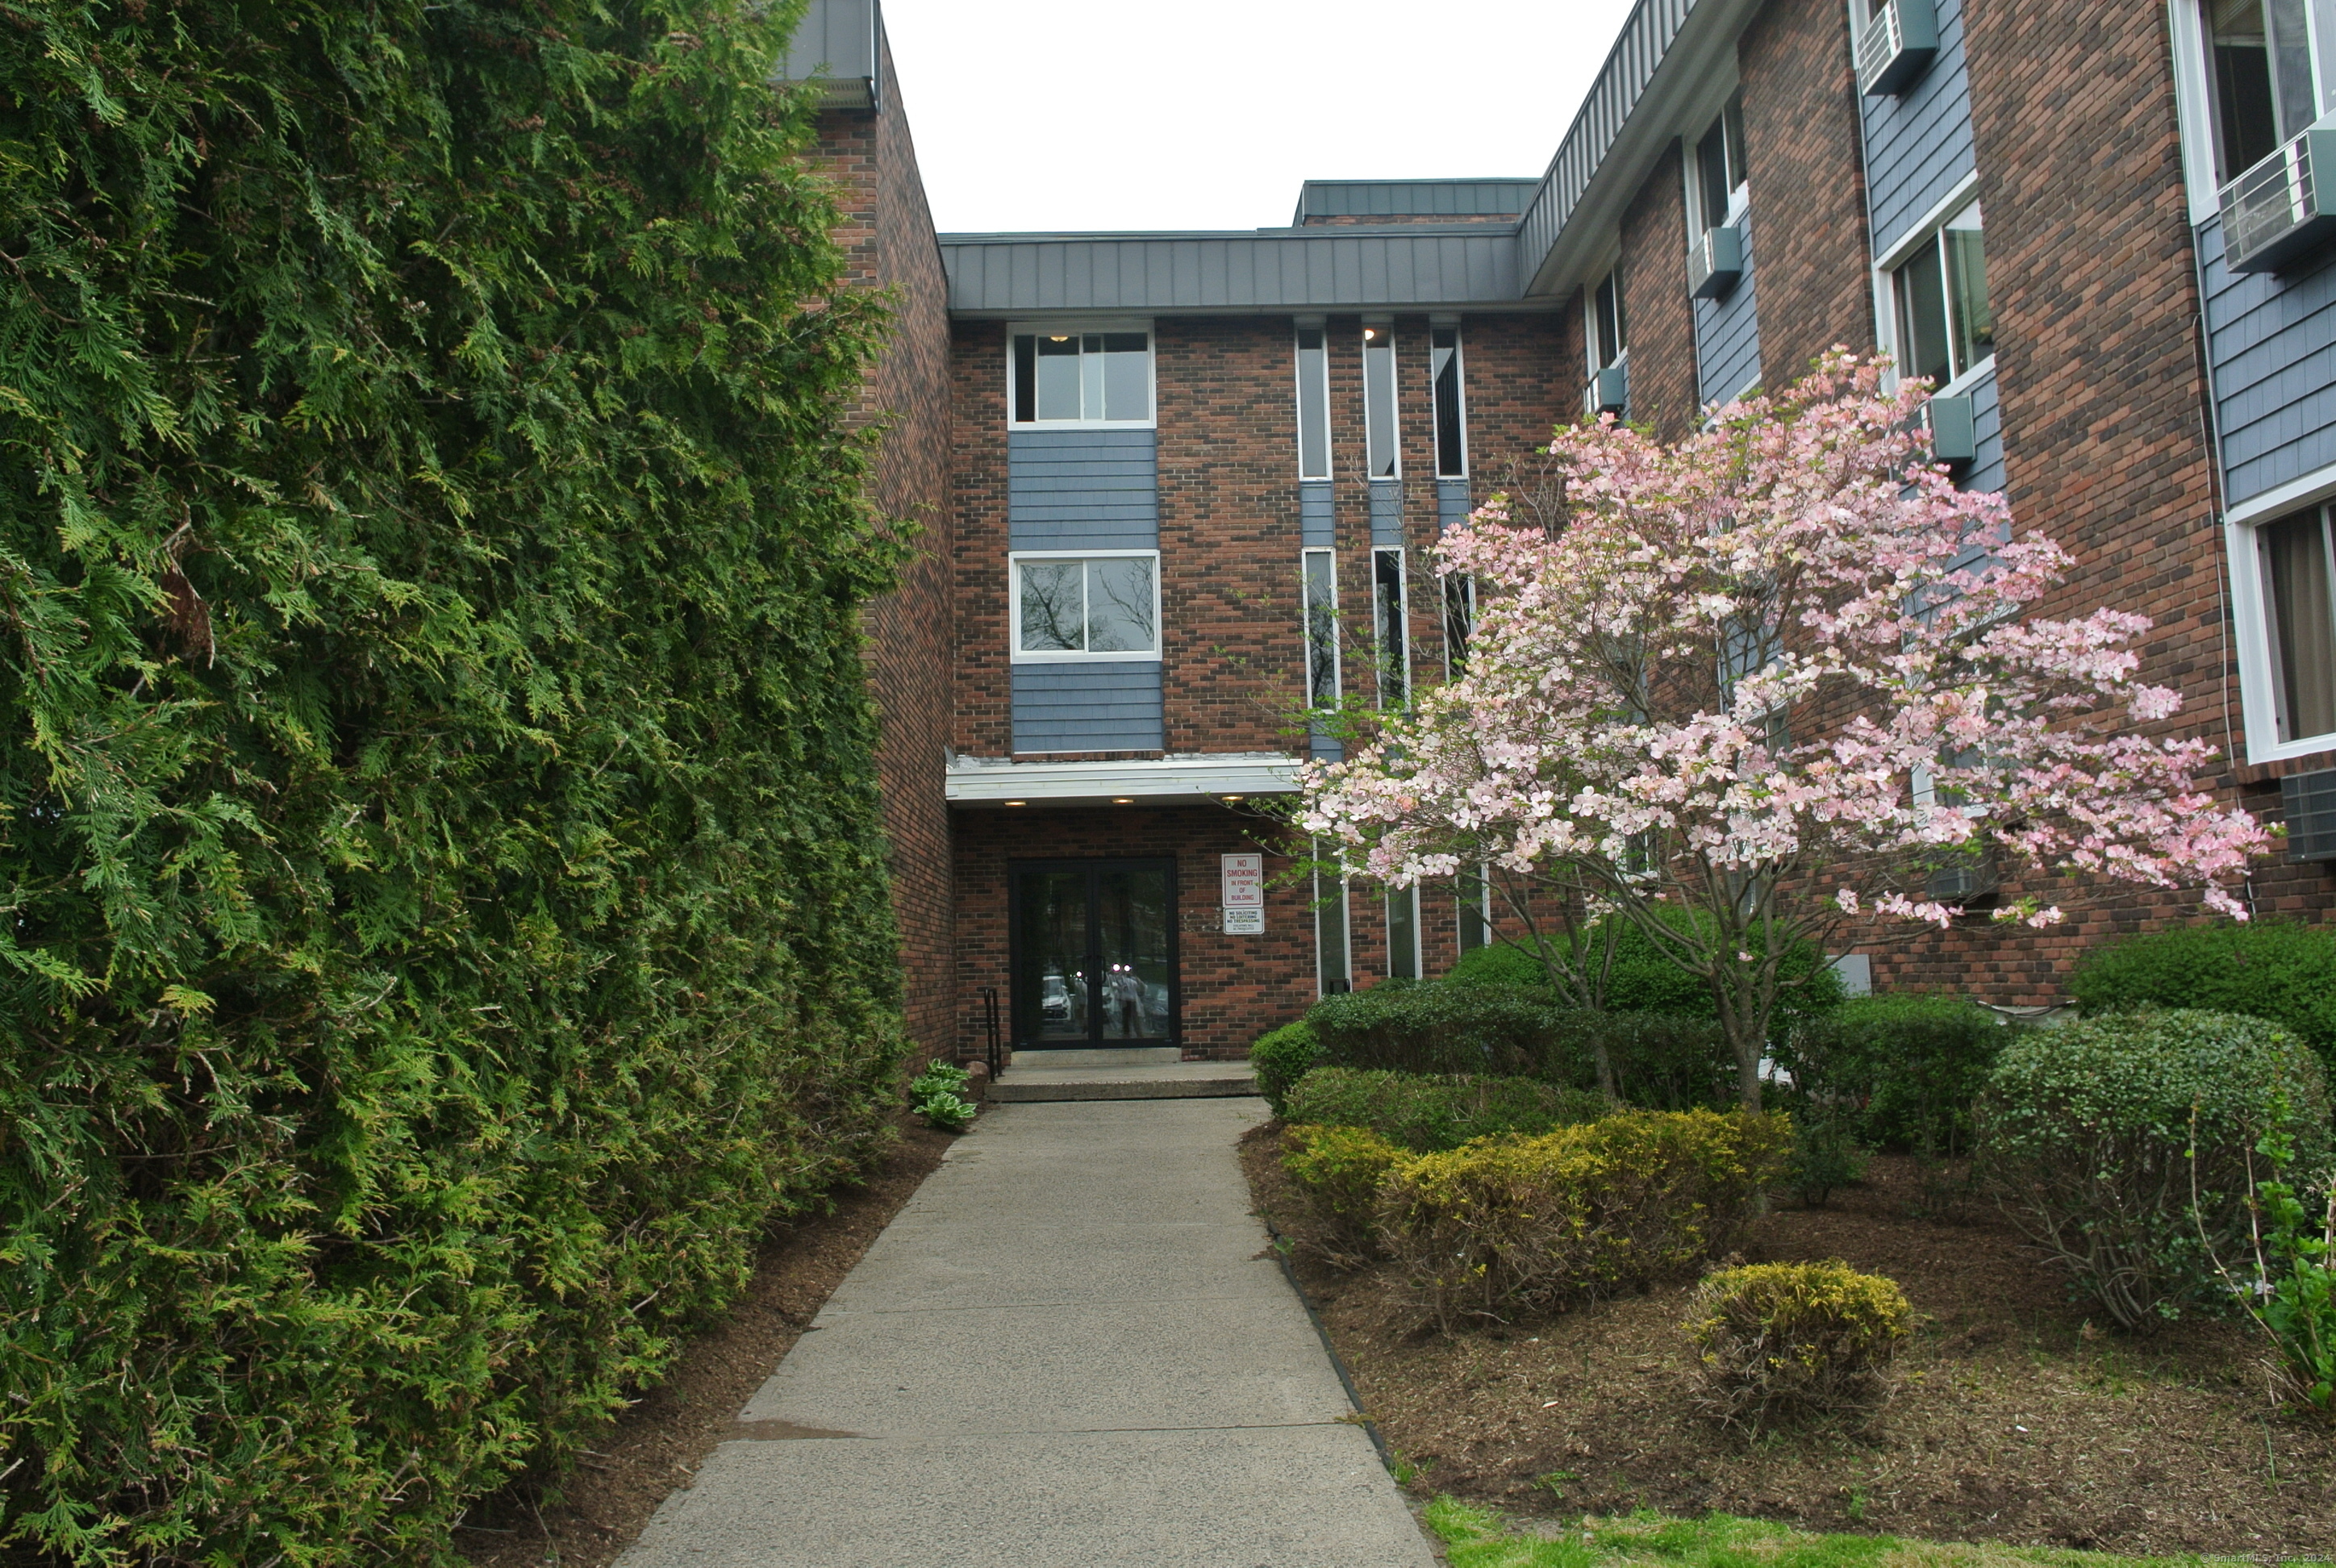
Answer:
(1244, 922)
(1244, 877)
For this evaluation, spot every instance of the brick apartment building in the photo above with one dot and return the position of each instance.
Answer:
(1176, 487)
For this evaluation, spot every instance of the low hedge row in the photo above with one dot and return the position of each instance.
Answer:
(1897, 1070)
(1427, 1114)
(1507, 1226)
(2275, 971)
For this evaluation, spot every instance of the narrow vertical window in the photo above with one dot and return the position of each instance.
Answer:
(1475, 909)
(1321, 588)
(1332, 973)
(2300, 586)
(1459, 622)
(1720, 165)
(1378, 404)
(1444, 385)
(1403, 933)
(1390, 622)
(1609, 335)
(1313, 403)
(1945, 320)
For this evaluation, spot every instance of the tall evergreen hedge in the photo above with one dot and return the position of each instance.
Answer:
(444, 905)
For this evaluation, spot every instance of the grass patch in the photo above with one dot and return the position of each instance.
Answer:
(1477, 1537)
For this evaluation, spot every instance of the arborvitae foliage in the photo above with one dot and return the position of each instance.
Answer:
(444, 904)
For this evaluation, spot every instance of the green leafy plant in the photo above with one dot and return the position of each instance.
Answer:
(938, 1094)
(439, 826)
(1426, 1114)
(1625, 974)
(1782, 1339)
(1911, 1067)
(1337, 1171)
(1826, 1155)
(2083, 1133)
(2274, 969)
(2291, 1292)
(1282, 1057)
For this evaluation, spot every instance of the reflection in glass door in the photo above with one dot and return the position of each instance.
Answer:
(1095, 952)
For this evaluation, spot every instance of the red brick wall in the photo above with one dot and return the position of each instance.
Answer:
(888, 232)
(1234, 987)
(981, 672)
(2098, 366)
(1655, 304)
(1809, 183)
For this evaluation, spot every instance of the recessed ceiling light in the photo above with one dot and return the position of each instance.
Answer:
(1369, 333)
(1018, 803)
(1229, 799)
(1123, 800)
(1060, 338)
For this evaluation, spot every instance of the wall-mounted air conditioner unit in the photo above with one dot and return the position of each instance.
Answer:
(2273, 214)
(1896, 45)
(1714, 262)
(1970, 880)
(1953, 437)
(2308, 804)
(1608, 392)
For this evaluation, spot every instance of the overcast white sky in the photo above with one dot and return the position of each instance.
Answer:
(1072, 115)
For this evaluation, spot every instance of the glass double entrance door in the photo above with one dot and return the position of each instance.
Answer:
(1095, 952)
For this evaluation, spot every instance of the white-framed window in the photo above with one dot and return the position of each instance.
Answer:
(2265, 61)
(1091, 605)
(1719, 185)
(1459, 622)
(1933, 286)
(1313, 403)
(1475, 908)
(1333, 954)
(1391, 625)
(2284, 577)
(1604, 329)
(1382, 445)
(1447, 396)
(1318, 572)
(1403, 932)
(1080, 374)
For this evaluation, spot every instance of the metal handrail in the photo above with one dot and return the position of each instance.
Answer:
(994, 1039)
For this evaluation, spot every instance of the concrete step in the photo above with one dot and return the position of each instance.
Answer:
(1100, 1057)
(1120, 1081)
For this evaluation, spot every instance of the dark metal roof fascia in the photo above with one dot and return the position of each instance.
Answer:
(1489, 198)
(1666, 47)
(1236, 272)
(835, 45)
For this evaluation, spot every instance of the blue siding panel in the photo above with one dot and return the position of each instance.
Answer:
(1987, 429)
(1082, 490)
(1452, 506)
(1728, 336)
(1919, 144)
(1386, 513)
(1072, 708)
(2271, 340)
(1317, 516)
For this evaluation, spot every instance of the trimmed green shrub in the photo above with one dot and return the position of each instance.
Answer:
(1282, 1057)
(2084, 1132)
(1500, 1031)
(1504, 1227)
(1427, 1113)
(1825, 1154)
(1912, 1066)
(1640, 980)
(1662, 1061)
(1337, 1171)
(444, 867)
(1795, 1338)
(2271, 969)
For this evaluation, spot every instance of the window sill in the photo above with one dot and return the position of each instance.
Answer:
(1962, 384)
(2289, 750)
(1084, 424)
(1150, 656)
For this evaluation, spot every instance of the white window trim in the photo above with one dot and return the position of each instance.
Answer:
(1885, 289)
(2193, 109)
(1085, 325)
(1306, 625)
(1484, 906)
(1378, 626)
(1386, 911)
(1739, 198)
(1298, 402)
(1590, 323)
(2250, 624)
(1395, 391)
(1346, 928)
(1014, 559)
(1460, 353)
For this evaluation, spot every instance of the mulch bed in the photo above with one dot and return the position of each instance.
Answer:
(657, 1444)
(2020, 1416)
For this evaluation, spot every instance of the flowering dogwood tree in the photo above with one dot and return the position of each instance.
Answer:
(1751, 687)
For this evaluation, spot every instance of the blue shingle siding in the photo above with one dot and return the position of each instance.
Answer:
(1082, 490)
(1386, 513)
(1919, 144)
(1077, 708)
(1987, 431)
(2272, 339)
(1728, 336)
(1452, 507)
(1318, 527)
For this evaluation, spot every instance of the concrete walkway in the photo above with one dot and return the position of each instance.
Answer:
(1067, 1350)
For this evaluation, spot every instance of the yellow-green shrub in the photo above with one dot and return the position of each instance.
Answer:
(1789, 1338)
(1507, 1226)
(1338, 1171)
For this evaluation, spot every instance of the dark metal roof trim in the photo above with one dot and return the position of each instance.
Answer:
(1493, 198)
(836, 45)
